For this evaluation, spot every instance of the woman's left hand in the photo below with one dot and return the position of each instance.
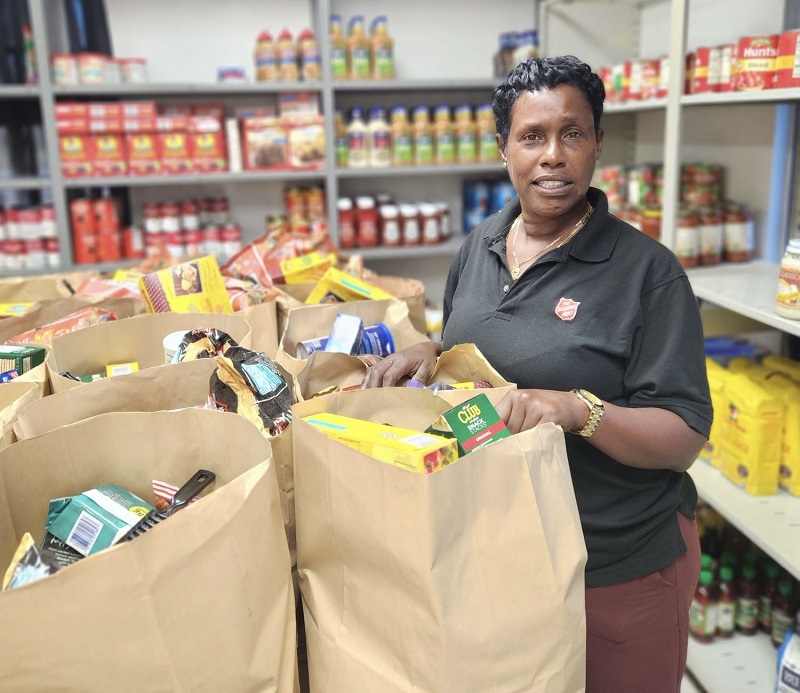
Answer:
(524, 409)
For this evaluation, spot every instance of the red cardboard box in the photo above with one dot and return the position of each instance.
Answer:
(108, 155)
(76, 155)
(143, 153)
(207, 144)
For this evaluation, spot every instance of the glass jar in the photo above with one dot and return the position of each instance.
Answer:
(787, 300)
(710, 233)
(687, 241)
(737, 233)
(651, 222)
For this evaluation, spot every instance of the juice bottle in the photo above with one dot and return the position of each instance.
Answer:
(382, 49)
(338, 47)
(358, 49)
(402, 138)
(769, 588)
(466, 144)
(726, 618)
(309, 56)
(783, 609)
(703, 612)
(487, 143)
(747, 601)
(423, 136)
(379, 139)
(340, 139)
(265, 57)
(707, 562)
(728, 558)
(445, 135)
(287, 57)
(357, 140)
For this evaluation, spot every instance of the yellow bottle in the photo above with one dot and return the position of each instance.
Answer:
(402, 138)
(445, 135)
(466, 138)
(338, 48)
(382, 49)
(265, 58)
(423, 137)
(358, 61)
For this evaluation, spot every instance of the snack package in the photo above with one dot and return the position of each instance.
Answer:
(196, 286)
(251, 384)
(85, 317)
(28, 565)
(100, 287)
(20, 358)
(339, 287)
(203, 343)
(246, 293)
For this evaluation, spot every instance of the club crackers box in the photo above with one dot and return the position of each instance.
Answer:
(20, 358)
(475, 423)
(402, 447)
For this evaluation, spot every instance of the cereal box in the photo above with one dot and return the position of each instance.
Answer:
(190, 287)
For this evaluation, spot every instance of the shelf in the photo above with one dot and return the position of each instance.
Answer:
(432, 170)
(194, 179)
(416, 84)
(743, 663)
(747, 289)
(29, 183)
(635, 106)
(446, 249)
(729, 98)
(19, 91)
(184, 88)
(772, 522)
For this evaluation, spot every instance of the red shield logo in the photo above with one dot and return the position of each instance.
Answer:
(567, 309)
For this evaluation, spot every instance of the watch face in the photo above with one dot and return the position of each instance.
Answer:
(592, 398)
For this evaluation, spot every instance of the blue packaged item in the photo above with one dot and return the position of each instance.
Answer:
(8, 375)
(476, 203)
(346, 334)
(789, 664)
(377, 340)
(502, 192)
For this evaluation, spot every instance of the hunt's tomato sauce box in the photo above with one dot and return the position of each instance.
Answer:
(755, 67)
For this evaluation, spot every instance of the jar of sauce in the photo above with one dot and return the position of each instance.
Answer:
(390, 225)
(367, 222)
(710, 233)
(747, 602)
(687, 240)
(703, 612)
(429, 219)
(651, 222)
(347, 222)
(787, 301)
(737, 231)
(410, 224)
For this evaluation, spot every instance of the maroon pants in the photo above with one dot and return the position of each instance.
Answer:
(637, 632)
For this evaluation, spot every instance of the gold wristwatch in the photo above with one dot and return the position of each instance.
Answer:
(596, 411)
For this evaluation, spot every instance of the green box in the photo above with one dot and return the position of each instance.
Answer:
(475, 423)
(95, 519)
(20, 358)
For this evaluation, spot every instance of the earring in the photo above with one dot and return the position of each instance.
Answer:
(505, 164)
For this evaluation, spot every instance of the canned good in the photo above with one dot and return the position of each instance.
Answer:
(133, 242)
(29, 223)
(727, 64)
(307, 347)
(65, 68)
(170, 217)
(108, 246)
(710, 234)
(787, 63)
(756, 62)
(687, 241)
(641, 185)
(612, 180)
(190, 215)
(651, 222)
(220, 211)
(106, 216)
(231, 240)
(133, 70)
(13, 223)
(52, 252)
(212, 240)
(113, 71)
(174, 243)
(701, 184)
(738, 233)
(47, 228)
(92, 68)
(315, 203)
(14, 250)
(152, 217)
(193, 241)
(34, 253)
(663, 77)
(706, 70)
(377, 340)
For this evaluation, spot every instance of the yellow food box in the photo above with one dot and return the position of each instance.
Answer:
(190, 287)
(113, 369)
(784, 364)
(788, 391)
(402, 447)
(339, 287)
(717, 377)
(11, 309)
(752, 427)
(310, 267)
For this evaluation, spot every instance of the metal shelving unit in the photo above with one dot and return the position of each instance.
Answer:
(432, 170)
(635, 106)
(184, 89)
(195, 179)
(374, 85)
(446, 249)
(741, 664)
(17, 91)
(29, 183)
(741, 97)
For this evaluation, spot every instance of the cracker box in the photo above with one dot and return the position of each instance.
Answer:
(310, 267)
(413, 450)
(339, 287)
(20, 358)
(475, 423)
(195, 286)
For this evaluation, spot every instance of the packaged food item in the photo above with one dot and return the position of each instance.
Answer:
(376, 341)
(12, 309)
(309, 56)
(345, 336)
(475, 423)
(747, 601)
(133, 70)
(789, 664)
(769, 589)
(92, 68)
(717, 376)
(357, 153)
(687, 238)
(379, 139)
(20, 358)
(28, 565)
(367, 221)
(199, 343)
(338, 48)
(756, 62)
(77, 320)
(309, 267)
(788, 391)
(306, 141)
(113, 369)
(266, 58)
(487, 143)
(287, 57)
(381, 49)
(95, 519)
(340, 139)
(391, 234)
(358, 49)
(402, 138)
(787, 62)
(783, 611)
(411, 232)
(339, 287)
(787, 300)
(264, 143)
(424, 146)
(412, 450)
(445, 141)
(738, 233)
(65, 69)
(710, 230)
(703, 611)
(190, 286)
(466, 135)
(726, 613)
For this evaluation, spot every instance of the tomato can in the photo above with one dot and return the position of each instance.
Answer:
(231, 240)
(701, 184)
(133, 242)
(738, 233)
(108, 246)
(787, 64)
(756, 62)
(710, 233)
(106, 216)
(687, 240)
(84, 246)
(174, 243)
(52, 252)
(193, 240)
(34, 253)
(212, 240)
(14, 254)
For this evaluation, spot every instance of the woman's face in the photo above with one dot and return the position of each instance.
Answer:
(551, 150)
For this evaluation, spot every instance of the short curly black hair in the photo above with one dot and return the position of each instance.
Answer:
(536, 74)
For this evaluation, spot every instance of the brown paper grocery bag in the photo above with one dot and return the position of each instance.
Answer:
(14, 398)
(263, 321)
(49, 310)
(139, 338)
(466, 363)
(469, 579)
(202, 602)
(325, 372)
(46, 286)
(310, 322)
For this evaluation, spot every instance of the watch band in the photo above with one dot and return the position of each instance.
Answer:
(596, 411)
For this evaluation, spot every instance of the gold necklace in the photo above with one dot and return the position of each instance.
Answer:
(515, 270)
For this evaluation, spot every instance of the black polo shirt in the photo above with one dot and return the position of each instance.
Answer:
(612, 312)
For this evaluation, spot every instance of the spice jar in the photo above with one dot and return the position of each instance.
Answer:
(651, 222)
(687, 241)
(787, 301)
(347, 222)
(429, 220)
(710, 233)
(390, 225)
(737, 233)
(367, 222)
(410, 224)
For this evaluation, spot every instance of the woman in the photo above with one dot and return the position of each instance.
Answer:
(598, 326)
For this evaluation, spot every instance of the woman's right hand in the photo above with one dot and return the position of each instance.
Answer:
(417, 362)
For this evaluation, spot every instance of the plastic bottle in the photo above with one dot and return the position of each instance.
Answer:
(402, 138)
(703, 611)
(727, 558)
(340, 139)
(347, 222)
(445, 135)
(338, 47)
(390, 225)
(487, 143)
(787, 300)
(783, 609)
(358, 49)
(379, 139)
(423, 136)
(747, 602)
(357, 155)
(466, 134)
(726, 618)
(769, 589)
(287, 57)
(308, 50)
(707, 562)
(382, 49)
(265, 56)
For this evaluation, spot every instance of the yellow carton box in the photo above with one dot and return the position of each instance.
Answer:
(190, 287)
(339, 287)
(310, 267)
(402, 447)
